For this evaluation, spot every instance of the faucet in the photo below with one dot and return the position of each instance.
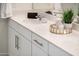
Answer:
(40, 18)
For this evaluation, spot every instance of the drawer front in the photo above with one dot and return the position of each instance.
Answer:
(23, 31)
(40, 42)
(36, 51)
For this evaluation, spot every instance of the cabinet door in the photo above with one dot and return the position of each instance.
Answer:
(36, 51)
(56, 51)
(24, 46)
(11, 43)
(18, 45)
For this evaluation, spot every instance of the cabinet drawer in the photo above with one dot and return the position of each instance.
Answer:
(40, 42)
(36, 51)
(23, 31)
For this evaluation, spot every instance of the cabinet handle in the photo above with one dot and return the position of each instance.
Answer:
(38, 43)
(16, 42)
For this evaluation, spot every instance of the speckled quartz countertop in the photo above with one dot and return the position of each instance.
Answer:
(68, 42)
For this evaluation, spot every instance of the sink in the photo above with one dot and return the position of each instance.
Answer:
(37, 21)
(76, 26)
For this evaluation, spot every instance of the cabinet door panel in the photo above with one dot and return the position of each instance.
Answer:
(56, 51)
(20, 47)
(11, 42)
(60, 52)
(25, 47)
(51, 50)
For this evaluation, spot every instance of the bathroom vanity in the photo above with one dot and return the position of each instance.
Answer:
(27, 38)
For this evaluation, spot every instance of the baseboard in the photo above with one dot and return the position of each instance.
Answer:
(3, 54)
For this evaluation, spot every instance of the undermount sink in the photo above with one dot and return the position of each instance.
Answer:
(76, 26)
(37, 21)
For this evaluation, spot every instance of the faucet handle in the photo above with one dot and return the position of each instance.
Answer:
(39, 17)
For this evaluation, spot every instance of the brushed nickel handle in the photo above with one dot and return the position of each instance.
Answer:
(16, 42)
(38, 43)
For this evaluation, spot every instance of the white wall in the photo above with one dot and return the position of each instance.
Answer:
(73, 6)
(28, 6)
(21, 6)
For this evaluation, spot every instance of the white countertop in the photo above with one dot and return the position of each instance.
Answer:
(68, 42)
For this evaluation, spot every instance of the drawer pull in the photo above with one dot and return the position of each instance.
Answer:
(38, 43)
